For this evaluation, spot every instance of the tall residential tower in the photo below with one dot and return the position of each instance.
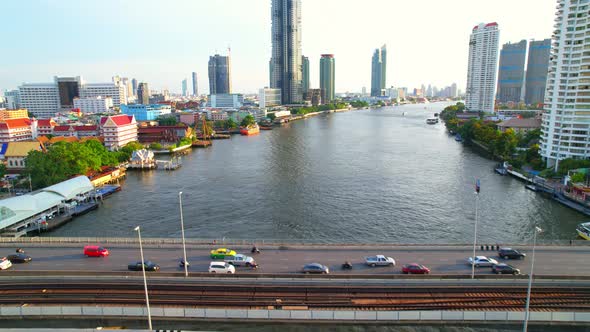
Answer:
(378, 71)
(536, 72)
(327, 77)
(195, 84)
(285, 63)
(511, 72)
(219, 74)
(482, 67)
(565, 124)
(305, 74)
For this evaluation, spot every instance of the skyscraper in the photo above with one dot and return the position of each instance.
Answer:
(68, 89)
(195, 84)
(536, 73)
(565, 124)
(134, 86)
(185, 87)
(219, 74)
(305, 74)
(378, 71)
(481, 68)
(511, 72)
(143, 94)
(285, 64)
(327, 77)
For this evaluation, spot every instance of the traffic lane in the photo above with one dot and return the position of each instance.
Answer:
(290, 261)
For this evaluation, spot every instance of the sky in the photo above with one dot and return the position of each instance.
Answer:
(162, 42)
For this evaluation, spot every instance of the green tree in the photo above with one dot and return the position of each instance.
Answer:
(167, 120)
(156, 146)
(271, 116)
(230, 124)
(2, 170)
(248, 121)
(578, 178)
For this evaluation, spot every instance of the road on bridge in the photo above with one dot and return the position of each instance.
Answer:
(568, 261)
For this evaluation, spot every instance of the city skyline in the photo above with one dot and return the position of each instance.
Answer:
(45, 54)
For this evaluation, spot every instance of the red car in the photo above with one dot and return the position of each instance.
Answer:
(95, 251)
(415, 268)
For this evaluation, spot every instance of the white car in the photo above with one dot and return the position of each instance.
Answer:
(379, 260)
(239, 260)
(221, 267)
(482, 261)
(5, 264)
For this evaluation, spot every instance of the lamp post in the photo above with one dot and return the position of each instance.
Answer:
(182, 231)
(147, 299)
(477, 189)
(528, 295)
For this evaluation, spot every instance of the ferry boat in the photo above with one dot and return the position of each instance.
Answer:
(432, 121)
(250, 130)
(584, 230)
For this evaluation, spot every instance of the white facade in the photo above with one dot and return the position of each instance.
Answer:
(94, 104)
(269, 97)
(117, 91)
(41, 99)
(566, 120)
(226, 100)
(482, 68)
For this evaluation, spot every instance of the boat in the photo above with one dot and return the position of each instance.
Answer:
(583, 230)
(501, 170)
(265, 128)
(458, 138)
(250, 130)
(432, 121)
(532, 187)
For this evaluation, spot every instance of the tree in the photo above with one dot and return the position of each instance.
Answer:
(248, 121)
(578, 177)
(2, 170)
(167, 120)
(271, 116)
(156, 146)
(230, 124)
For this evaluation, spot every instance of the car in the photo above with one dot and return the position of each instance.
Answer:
(221, 253)
(221, 267)
(379, 260)
(19, 258)
(503, 268)
(482, 261)
(315, 268)
(5, 264)
(509, 253)
(149, 266)
(95, 251)
(415, 268)
(240, 260)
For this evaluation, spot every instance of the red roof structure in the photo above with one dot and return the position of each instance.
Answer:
(119, 120)
(15, 123)
(46, 123)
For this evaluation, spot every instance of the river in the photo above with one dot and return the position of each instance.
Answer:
(367, 176)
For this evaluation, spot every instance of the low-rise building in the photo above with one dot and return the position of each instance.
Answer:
(91, 105)
(76, 131)
(146, 112)
(13, 114)
(520, 125)
(16, 152)
(226, 100)
(13, 130)
(268, 97)
(42, 127)
(157, 134)
(217, 115)
(190, 119)
(118, 130)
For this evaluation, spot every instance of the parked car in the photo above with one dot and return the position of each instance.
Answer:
(315, 268)
(379, 260)
(95, 251)
(510, 253)
(221, 267)
(482, 261)
(19, 258)
(503, 268)
(221, 253)
(240, 260)
(5, 264)
(149, 266)
(415, 268)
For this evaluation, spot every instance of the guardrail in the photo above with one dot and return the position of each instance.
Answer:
(170, 313)
(264, 242)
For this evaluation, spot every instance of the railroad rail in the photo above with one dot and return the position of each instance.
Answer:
(305, 297)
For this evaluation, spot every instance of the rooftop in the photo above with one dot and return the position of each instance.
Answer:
(521, 123)
(22, 149)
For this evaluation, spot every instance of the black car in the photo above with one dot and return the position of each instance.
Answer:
(510, 253)
(505, 269)
(149, 266)
(19, 258)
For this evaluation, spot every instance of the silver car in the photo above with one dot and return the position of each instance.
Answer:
(482, 261)
(315, 268)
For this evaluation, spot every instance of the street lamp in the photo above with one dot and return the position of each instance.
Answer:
(477, 189)
(147, 299)
(182, 231)
(528, 295)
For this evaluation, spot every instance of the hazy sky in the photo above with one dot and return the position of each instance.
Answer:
(162, 42)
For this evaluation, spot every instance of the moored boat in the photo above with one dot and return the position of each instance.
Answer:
(265, 127)
(583, 230)
(250, 130)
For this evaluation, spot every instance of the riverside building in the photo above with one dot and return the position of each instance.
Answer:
(327, 77)
(566, 119)
(219, 74)
(511, 72)
(379, 71)
(536, 73)
(482, 68)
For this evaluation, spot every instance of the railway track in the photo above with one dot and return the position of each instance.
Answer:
(296, 296)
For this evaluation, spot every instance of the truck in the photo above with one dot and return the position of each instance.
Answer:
(379, 260)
